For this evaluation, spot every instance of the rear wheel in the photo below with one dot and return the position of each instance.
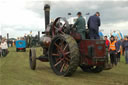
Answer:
(85, 68)
(64, 55)
(94, 69)
(17, 49)
(32, 58)
(24, 49)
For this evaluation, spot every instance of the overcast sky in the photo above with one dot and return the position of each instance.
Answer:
(18, 17)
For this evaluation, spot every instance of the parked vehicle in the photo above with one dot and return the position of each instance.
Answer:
(20, 45)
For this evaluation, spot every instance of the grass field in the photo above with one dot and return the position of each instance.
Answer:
(15, 70)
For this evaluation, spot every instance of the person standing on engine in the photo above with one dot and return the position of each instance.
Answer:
(112, 50)
(80, 25)
(93, 26)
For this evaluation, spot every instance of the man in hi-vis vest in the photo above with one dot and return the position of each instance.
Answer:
(112, 49)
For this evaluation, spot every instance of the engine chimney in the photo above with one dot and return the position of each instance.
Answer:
(38, 36)
(47, 14)
(7, 36)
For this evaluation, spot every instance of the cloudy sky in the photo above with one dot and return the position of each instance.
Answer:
(18, 17)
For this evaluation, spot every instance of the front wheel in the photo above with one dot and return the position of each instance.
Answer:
(64, 55)
(32, 58)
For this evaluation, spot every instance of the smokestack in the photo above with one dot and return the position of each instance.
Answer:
(7, 36)
(8, 39)
(47, 14)
(38, 36)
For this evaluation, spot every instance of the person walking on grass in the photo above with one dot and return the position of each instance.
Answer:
(125, 48)
(112, 50)
(118, 48)
(106, 41)
(107, 46)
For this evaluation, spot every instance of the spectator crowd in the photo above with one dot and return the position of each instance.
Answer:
(115, 48)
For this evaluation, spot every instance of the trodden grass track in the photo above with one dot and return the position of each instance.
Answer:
(15, 70)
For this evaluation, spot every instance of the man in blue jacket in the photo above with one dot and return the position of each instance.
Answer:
(93, 26)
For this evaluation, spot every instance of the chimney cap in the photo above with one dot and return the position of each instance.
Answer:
(46, 7)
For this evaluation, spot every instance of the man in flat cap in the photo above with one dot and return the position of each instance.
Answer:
(80, 25)
(93, 26)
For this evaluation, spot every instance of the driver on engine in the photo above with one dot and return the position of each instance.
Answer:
(80, 25)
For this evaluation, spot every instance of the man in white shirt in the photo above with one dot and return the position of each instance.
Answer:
(4, 47)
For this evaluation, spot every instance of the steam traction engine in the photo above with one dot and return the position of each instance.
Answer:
(65, 50)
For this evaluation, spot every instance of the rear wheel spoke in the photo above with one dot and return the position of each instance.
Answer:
(62, 44)
(66, 66)
(57, 46)
(55, 54)
(65, 47)
(57, 59)
(67, 53)
(62, 67)
(67, 59)
(58, 62)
